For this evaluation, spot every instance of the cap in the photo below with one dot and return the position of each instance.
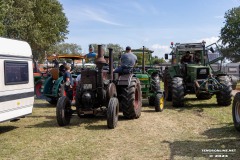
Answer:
(91, 46)
(128, 48)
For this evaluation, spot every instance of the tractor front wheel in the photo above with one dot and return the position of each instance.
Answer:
(159, 102)
(112, 113)
(177, 92)
(224, 97)
(37, 89)
(236, 111)
(63, 111)
(131, 99)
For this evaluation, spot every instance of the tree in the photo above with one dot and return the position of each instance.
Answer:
(41, 23)
(66, 48)
(117, 50)
(230, 35)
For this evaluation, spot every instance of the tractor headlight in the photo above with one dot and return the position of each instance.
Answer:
(87, 86)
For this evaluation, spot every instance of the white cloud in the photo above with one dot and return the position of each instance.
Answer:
(219, 17)
(209, 40)
(160, 50)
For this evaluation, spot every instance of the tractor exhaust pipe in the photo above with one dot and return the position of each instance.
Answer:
(111, 63)
(143, 61)
(100, 62)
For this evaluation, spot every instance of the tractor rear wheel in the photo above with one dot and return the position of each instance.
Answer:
(159, 102)
(131, 99)
(168, 85)
(112, 113)
(236, 111)
(63, 111)
(177, 92)
(224, 97)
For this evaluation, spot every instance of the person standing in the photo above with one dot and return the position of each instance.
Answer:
(67, 78)
(128, 61)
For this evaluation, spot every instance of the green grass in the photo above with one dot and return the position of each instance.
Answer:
(175, 133)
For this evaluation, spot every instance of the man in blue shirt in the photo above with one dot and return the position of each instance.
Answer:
(128, 60)
(91, 56)
(67, 78)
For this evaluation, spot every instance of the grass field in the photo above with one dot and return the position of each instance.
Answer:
(175, 133)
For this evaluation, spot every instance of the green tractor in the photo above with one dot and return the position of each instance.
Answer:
(150, 80)
(197, 76)
(53, 85)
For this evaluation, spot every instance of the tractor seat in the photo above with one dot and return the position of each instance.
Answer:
(55, 73)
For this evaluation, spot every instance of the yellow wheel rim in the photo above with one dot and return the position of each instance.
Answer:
(161, 104)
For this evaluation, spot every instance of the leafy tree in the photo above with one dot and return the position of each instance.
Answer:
(41, 23)
(66, 48)
(158, 61)
(230, 34)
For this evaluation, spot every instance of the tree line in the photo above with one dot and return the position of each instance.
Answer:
(44, 25)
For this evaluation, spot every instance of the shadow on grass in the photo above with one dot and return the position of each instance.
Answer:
(4, 129)
(227, 131)
(44, 105)
(193, 149)
(198, 104)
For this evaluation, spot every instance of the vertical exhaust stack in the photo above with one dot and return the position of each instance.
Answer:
(111, 63)
(100, 62)
(143, 61)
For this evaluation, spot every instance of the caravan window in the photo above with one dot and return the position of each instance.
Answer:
(15, 72)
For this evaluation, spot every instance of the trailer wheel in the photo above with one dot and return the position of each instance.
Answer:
(177, 92)
(112, 113)
(37, 89)
(168, 85)
(159, 102)
(63, 111)
(236, 111)
(224, 97)
(131, 99)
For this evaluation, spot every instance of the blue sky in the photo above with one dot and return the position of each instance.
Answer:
(152, 23)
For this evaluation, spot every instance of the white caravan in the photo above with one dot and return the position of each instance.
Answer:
(16, 80)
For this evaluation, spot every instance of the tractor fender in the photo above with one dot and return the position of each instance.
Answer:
(47, 84)
(55, 88)
(125, 79)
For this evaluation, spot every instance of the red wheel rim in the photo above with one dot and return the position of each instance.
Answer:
(38, 87)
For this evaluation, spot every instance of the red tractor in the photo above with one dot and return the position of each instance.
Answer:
(99, 90)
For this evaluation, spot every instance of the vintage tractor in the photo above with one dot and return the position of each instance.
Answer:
(39, 77)
(98, 92)
(150, 80)
(236, 111)
(53, 85)
(197, 76)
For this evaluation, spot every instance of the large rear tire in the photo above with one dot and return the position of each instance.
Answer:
(112, 113)
(224, 97)
(236, 111)
(63, 111)
(159, 102)
(177, 92)
(168, 85)
(131, 99)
